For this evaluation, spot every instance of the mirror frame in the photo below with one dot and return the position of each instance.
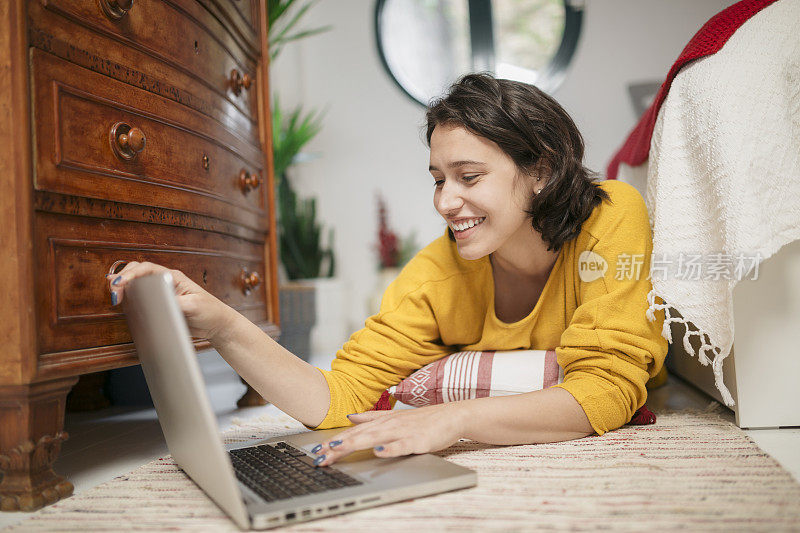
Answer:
(550, 77)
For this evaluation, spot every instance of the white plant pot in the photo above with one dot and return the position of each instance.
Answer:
(385, 277)
(330, 331)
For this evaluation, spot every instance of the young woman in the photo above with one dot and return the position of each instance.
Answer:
(536, 256)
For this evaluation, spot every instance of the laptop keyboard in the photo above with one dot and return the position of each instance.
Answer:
(277, 473)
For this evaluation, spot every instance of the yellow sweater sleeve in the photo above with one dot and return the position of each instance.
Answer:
(609, 349)
(400, 339)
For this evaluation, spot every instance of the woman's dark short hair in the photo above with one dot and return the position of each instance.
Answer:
(538, 135)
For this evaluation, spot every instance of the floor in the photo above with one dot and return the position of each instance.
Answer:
(116, 440)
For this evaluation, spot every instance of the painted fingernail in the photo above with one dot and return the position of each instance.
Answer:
(335, 443)
(316, 448)
(318, 460)
(351, 414)
(116, 280)
(113, 298)
(378, 448)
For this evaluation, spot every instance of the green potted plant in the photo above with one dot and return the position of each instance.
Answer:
(301, 250)
(282, 19)
(304, 259)
(309, 296)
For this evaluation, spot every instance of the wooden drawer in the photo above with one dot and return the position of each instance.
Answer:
(188, 162)
(238, 15)
(205, 50)
(246, 9)
(73, 254)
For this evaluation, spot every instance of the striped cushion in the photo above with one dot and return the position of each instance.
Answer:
(466, 375)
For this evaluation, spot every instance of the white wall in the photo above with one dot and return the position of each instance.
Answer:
(372, 139)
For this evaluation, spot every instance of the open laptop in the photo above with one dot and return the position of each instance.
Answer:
(272, 482)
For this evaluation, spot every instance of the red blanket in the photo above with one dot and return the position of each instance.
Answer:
(710, 39)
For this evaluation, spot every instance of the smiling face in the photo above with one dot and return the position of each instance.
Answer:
(479, 192)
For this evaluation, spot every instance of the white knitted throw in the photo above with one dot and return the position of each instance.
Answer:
(723, 178)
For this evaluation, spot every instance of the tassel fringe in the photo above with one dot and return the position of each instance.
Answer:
(383, 403)
(717, 354)
(643, 416)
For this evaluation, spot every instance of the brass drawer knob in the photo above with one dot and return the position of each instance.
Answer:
(116, 9)
(250, 280)
(248, 181)
(116, 267)
(126, 141)
(239, 81)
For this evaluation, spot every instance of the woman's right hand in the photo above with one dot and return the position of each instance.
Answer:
(205, 314)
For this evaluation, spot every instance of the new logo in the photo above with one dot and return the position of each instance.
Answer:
(591, 266)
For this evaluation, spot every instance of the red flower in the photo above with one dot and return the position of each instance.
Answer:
(388, 243)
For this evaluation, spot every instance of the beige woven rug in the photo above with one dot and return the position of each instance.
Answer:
(691, 470)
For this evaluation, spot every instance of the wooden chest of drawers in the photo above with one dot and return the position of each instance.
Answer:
(129, 130)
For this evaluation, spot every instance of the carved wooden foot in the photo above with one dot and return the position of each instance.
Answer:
(31, 434)
(251, 398)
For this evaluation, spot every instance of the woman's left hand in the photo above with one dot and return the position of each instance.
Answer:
(395, 433)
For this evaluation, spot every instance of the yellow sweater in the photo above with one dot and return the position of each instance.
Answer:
(441, 303)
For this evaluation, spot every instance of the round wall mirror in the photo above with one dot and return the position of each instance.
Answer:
(426, 45)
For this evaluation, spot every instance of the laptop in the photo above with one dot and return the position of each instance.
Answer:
(268, 483)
